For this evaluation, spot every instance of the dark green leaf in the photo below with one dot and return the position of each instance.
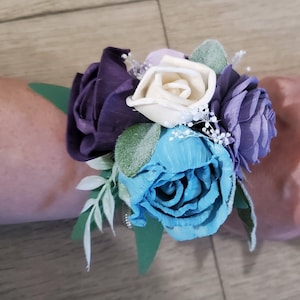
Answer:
(58, 95)
(78, 229)
(147, 242)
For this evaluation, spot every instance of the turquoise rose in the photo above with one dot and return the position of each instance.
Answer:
(188, 185)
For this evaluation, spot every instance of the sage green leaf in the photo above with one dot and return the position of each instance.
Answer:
(245, 210)
(135, 147)
(100, 163)
(212, 54)
(57, 95)
(147, 243)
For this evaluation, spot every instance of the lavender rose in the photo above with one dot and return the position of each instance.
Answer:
(245, 111)
(98, 113)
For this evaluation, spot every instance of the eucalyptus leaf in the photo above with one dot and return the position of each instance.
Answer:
(212, 54)
(147, 243)
(135, 147)
(245, 209)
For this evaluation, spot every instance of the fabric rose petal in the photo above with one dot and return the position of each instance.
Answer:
(174, 92)
(245, 111)
(155, 57)
(98, 113)
(188, 185)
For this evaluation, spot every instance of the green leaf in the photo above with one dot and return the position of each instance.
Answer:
(135, 147)
(108, 205)
(123, 193)
(101, 163)
(97, 217)
(245, 210)
(88, 204)
(87, 239)
(212, 54)
(147, 242)
(90, 183)
(78, 229)
(105, 174)
(57, 95)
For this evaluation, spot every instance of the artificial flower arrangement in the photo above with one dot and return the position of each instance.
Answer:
(171, 138)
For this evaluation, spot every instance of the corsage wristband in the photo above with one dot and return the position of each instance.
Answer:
(171, 137)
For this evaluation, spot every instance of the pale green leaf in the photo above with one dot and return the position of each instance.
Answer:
(135, 147)
(123, 193)
(245, 208)
(90, 183)
(87, 240)
(88, 204)
(108, 204)
(98, 217)
(212, 54)
(114, 174)
(101, 163)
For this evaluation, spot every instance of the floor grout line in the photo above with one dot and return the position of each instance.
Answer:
(218, 268)
(65, 11)
(163, 22)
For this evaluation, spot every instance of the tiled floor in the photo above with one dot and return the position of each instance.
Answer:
(51, 40)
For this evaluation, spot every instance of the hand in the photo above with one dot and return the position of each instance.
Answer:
(274, 184)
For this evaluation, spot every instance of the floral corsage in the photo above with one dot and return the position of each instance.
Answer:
(171, 138)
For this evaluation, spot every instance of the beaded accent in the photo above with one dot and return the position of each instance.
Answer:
(136, 68)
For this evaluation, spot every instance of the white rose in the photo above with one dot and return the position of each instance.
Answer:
(174, 92)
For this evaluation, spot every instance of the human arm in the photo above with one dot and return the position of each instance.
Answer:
(37, 176)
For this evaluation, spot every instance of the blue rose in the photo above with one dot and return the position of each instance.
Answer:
(188, 185)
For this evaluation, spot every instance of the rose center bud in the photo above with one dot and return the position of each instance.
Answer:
(167, 191)
(179, 88)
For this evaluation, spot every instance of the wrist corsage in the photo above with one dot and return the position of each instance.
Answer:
(171, 138)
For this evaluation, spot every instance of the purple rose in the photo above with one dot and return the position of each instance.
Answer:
(98, 113)
(245, 111)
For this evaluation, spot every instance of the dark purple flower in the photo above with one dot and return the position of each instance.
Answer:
(245, 111)
(98, 113)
